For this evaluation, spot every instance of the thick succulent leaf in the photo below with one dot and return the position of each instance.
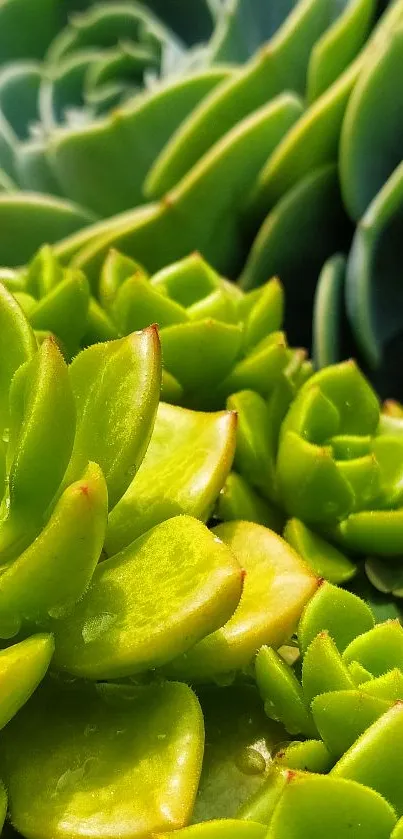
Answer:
(314, 140)
(82, 157)
(389, 686)
(237, 501)
(188, 218)
(386, 577)
(340, 613)
(379, 650)
(308, 756)
(150, 602)
(313, 205)
(223, 829)
(200, 354)
(383, 737)
(325, 560)
(341, 716)
(328, 312)
(339, 45)
(373, 291)
(91, 748)
(309, 483)
(277, 585)
(240, 741)
(64, 311)
(17, 344)
(264, 312)
(372, 128)
(39, 449)
(282, 693)
(260, 807)
(261, 369)
(398, 831)
(323, 669)
(281, 66)
(115, 270)
(124, 374)
(242, 26)
(22, 668)
(374, 531)
(317, 805)
(33, 588)
(254, 456)
(137, 305)
(27, 220)
(185, 466)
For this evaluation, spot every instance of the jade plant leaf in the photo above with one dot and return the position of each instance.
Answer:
(18, 344)
(383, 737)
(187, 461)
(308, 756)
(341, 717)
(312, 805)
(124, 374)
(277, 584)
(323, 669)
(223, 829)
(282, 693)
(379, 650)
(240, 742)
(238, 501)
(74, 534)
(39, 449)
(342, 614)
(325, 560)
(151, 602)
(92, 747)
(22, 668)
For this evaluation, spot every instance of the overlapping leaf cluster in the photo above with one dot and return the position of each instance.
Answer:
(138, 599)
(299, 145)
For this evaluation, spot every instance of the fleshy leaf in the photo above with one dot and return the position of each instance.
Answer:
(317, 805)
(277, 585)
(33, 587)
(125, 375)
(185, 466)
(150, 603)
(342, 614)
(125, 738)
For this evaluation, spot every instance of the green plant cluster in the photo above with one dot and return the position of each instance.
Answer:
(240, 146)
(164, 569)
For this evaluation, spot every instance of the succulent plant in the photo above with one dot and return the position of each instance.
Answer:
(110, 578)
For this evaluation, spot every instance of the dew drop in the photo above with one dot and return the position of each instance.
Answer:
(250, 762)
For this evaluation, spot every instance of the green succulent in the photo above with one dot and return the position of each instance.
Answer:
(113, 587)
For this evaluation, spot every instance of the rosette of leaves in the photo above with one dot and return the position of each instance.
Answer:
(343, 696)
(215, 338)
(110, 577)
(321, 451)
